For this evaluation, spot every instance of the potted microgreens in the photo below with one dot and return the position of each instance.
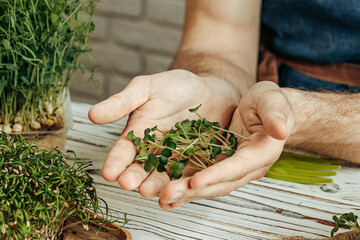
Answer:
(42, 196)
(40, 45)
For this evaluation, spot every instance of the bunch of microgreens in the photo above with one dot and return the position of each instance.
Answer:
(40, 45)
(346, 220)
(192, 141)
(39, 190)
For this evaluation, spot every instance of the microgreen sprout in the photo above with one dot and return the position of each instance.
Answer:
(40, 46)
(346, 220)
(198, 142)
(40, 190)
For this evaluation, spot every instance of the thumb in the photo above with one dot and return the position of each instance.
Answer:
(123, 103)
(275, 113)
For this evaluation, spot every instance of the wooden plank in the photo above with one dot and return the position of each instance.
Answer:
(263, 209)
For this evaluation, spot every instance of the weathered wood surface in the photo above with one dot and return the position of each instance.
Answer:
(263, 209)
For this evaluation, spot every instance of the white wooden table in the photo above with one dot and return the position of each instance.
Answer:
(263, 209)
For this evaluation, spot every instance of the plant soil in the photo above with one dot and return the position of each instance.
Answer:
(78, 232)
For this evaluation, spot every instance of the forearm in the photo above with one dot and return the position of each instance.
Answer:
(221, 39)
(326, 123)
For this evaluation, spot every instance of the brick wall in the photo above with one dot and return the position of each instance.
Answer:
(132, 37)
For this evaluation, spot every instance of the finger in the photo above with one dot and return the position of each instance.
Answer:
(174, 191)
(167, 201)
(135, 94)
(119, 157)
(224, 188)
(133, 176)
(244, 161)
(153, 185)
(122, 153)
(274, 111)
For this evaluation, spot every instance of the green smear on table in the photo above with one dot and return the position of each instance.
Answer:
(294, 167)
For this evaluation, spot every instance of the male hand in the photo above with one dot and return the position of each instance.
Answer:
(160, 99)
(266, 117)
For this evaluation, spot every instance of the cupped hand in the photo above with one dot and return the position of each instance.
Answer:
(265, 116)
(160, 99)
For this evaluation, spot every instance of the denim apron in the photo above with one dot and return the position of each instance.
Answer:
(322, 31)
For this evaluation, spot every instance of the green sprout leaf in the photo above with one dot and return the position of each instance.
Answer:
(146, 138)
(137, 141)
(198, 123)
(171, 145)
(216, 125)
(163, 160)
(176, 169)
(151, 163)
(170, 142)
(213, 141)
(230, 152)
(3, 84)
(175, 174)
(143, 152)
(189, 153)
(166, 153)
(185, 161)
(217, 150)
(194, 110)
(178, 166)
(233, 141)
(131, 135)
(187, 126)
(206, 123)
(147, 131)
(161, 168)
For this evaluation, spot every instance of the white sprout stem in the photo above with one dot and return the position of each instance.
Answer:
(236, 134)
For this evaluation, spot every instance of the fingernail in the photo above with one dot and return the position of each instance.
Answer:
(176, 197)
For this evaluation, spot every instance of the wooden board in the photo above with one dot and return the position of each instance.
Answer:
(263, 209)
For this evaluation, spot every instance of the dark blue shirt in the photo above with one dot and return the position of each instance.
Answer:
(325, 31)
(320, 30)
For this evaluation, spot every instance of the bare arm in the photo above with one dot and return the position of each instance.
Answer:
(221, 39)
(327, 123)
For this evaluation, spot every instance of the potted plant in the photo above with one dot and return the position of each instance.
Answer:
(40, 46)
(42, 196)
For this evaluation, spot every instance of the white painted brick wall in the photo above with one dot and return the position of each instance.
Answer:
(131, 38)
(166, 11)
(146, 35)
(121, 7)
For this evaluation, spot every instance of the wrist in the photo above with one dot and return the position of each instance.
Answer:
(210, 65)
(326, 123)
(222, 85)
(294, 98)
(308, 110)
